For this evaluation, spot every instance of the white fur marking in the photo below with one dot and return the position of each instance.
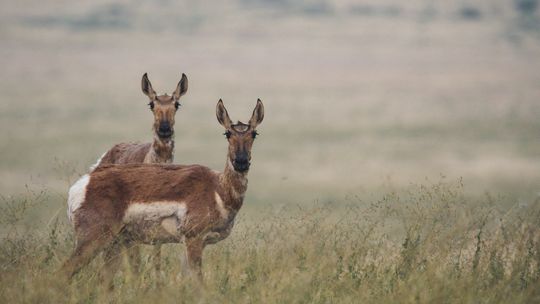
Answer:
(76, 196)
(94, 166)
(237, 195)
(154, 211)
(241, 128)
(221, 206)
(170, 225)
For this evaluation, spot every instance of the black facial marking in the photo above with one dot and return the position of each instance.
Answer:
(177, 104)
(151, 104)
(254, 134)
(227, 134)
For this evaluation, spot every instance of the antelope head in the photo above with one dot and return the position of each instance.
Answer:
(164, 106)
(240, 135)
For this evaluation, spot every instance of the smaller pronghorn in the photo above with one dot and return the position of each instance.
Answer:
(121, 205)
(161, 150)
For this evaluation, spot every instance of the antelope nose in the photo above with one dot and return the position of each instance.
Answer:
(241, 163)
(164, 127)
(241, 158)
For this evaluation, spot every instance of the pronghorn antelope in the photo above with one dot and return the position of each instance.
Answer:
(161, 150)
(120, 205)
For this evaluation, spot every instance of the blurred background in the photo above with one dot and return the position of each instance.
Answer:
(359, 95)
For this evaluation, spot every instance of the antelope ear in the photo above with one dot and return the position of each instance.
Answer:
(181, 88)
(147, 87)
(258, 114)
(222, 115)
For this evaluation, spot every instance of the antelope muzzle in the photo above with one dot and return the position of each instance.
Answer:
(241, 162)
(165, 130)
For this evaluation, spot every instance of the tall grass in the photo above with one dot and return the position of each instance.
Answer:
(430, 243)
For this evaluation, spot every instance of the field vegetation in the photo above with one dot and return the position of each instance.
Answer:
(426, 244)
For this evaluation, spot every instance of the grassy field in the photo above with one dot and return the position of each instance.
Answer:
(399, 158)
(427, 244)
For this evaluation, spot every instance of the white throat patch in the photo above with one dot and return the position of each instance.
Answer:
(221, 206)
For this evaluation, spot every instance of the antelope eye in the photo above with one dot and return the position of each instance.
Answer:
(151, 104)
(177, 105)
(254, 134)
(227, 134)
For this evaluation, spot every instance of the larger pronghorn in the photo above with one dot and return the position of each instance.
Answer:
(119, 205)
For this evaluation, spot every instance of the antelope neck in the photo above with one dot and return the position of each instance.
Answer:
(163, 149)
(233, 185)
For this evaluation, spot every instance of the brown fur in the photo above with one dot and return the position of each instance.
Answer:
(112, 189)
(106, 202)
(126, 153)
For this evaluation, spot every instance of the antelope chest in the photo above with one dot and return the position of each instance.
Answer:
(155, 222)
(221, 230)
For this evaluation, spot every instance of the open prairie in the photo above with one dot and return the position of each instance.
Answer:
(399, 158)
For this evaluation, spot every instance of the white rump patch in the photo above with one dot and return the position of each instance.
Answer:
(76, 196)
(94, 166)
(155, 212)
(221, 206)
